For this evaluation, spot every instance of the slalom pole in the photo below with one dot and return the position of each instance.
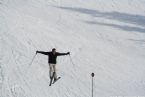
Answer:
(32, 59)
(92, 83)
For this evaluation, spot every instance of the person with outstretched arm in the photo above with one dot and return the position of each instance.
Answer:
(52, 61)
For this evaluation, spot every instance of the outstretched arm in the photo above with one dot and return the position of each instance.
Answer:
(62, 54)
(42, 52)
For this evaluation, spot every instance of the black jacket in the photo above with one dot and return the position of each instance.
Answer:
(52, 57)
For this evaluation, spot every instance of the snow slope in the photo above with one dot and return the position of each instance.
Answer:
(106, 37)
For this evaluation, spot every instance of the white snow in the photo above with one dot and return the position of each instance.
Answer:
(106, 37)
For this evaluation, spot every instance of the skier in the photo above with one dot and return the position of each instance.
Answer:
(52, 61)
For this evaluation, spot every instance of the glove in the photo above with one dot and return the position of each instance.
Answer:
(68, 53)
(36, 52)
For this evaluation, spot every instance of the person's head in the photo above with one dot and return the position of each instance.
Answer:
(54, 50)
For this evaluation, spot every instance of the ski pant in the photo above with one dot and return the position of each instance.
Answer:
(52, 69)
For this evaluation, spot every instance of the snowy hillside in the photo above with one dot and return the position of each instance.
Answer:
(106, 37)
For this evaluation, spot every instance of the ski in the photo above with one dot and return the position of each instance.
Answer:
(56, 80)
(51, 79)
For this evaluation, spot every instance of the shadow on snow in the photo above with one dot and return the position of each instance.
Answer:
(138, 20)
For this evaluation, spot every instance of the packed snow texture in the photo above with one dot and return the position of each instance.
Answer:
(106, 37)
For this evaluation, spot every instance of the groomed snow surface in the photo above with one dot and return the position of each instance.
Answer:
(106, 37)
